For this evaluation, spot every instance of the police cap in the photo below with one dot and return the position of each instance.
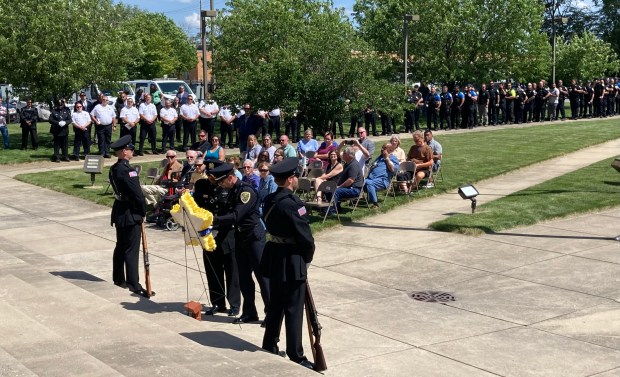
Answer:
(123, 143)
(285, 168)
(221, 171)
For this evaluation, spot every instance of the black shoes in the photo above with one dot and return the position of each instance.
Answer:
(122, 284)
(245, 319)
(139, 153)
(233, 311)
(214, 309)
(144, 293)
(307, 364)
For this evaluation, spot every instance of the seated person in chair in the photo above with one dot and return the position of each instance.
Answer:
(381, 173)
(351, 180)
(332, 172)
(152, 193)
(436, 147)
(422, 155)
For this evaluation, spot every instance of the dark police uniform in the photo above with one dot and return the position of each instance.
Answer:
(60, 113)
(219, 264)
(446, 103)
(127, 213)
(287, 254)
(29, 115)
(249, 240)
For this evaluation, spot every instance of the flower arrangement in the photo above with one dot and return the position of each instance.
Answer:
(196, 221)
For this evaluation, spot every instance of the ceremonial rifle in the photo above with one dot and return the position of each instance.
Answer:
(147, 265)
(314, 331)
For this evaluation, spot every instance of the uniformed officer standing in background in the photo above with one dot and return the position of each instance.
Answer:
(249, 237)
(287, 254)
(60, 119)
(128, 213)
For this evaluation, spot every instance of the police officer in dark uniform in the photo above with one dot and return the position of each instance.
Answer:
(28, 116)
(433, 103)
(220, 263)
(418, 101)
(60, 119)
(128, 213)
(444, 112)
(249, 237)
(574, 96)
(287, 254)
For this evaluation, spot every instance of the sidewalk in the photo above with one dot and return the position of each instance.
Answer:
(537, 301)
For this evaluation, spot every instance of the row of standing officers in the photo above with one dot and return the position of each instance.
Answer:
(279, 265)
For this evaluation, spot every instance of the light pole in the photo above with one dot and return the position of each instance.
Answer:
(406, 19)
(563, 20)
(204, 14)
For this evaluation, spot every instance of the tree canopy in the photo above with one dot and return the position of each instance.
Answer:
(55, 47)
(584, 58)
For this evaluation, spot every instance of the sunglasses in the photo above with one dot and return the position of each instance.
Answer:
(263, 170)
(170, 156)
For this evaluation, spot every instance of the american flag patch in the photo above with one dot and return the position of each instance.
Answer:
(301, 211)
(133, 174)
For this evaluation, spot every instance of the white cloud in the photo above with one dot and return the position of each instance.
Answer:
(184, 1)
(582, 4)
(193, 20)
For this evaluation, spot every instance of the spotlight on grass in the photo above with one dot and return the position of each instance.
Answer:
(469, 192)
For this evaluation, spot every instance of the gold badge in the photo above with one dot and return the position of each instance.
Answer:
(245, 197)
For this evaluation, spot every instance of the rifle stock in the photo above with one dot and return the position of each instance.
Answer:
(147, 265)
(314, 331)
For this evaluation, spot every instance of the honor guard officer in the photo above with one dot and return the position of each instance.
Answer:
(249, 237)
(287, 254)
(221, 262)
(128, 212)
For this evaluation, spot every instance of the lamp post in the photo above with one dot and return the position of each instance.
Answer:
(563, 20)
(204, 14)
(406, 19)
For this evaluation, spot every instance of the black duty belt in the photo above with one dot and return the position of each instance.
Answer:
(121, 198)
(281, 240)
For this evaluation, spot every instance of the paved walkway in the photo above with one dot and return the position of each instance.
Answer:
(536, 301)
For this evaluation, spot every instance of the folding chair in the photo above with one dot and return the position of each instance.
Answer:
(314, 173)
(359, 198)
(435, 175)
(327, 187)
(163, 163)
(317, 164)
(152, 174)
(403, 168)
(304, 189)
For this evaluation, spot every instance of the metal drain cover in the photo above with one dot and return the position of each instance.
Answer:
(432, 296)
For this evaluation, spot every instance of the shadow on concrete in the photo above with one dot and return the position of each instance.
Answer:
(220, 339)
(76, 275)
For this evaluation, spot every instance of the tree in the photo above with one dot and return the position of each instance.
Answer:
(55, 47)
(298, 54)
(609, 22)
(471, 40)
(585, 57)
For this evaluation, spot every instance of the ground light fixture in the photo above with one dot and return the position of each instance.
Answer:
(468, 191)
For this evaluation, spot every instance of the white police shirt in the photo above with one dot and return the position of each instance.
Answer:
(104, 114)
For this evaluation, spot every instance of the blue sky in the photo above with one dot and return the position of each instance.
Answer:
(185, 12)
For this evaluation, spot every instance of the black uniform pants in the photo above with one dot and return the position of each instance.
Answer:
(444, 114)
(81, 138)
(274, 126)
(131, 132)
(226, 134)
(337, 122)
(151, 131)
(220, 266)
(32, 131)
(559, 110)
(355, 124)
(370, 120)
(492, 114)
(432, 113)
(248, 253)
(386, 125)
(455, 116)
(502, 108)
(126, 256)
(178, 128)
(167, 136)
(574, 109)
(189, 132)
(104, 138)
(61, 145)
(287, 303)
(208, 126)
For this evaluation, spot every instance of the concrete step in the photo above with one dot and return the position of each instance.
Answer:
(55, 327)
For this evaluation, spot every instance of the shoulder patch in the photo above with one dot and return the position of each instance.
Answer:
(301, 211)
(133, 173)
(245, 197)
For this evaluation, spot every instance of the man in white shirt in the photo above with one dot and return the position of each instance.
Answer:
(227, 126)
(189, 113)
(130, 116)
(81, 123)
(208, 113)
(554, 94)
(104, 117)
(168, 116)
(274, 122)
(148, 116)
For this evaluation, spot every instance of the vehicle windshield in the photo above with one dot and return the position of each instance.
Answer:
(171, 88)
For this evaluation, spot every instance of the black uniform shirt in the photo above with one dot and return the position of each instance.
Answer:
(244, 214)
(129, 207)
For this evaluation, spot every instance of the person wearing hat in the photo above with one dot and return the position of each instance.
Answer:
(287, 254)
(60, 119)
(249, 237)
(128, 212)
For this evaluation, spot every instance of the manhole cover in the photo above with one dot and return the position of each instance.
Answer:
(432, 296)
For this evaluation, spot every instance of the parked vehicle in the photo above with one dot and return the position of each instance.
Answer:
(169, 88)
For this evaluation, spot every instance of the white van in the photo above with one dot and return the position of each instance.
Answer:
(110, 90)
(169, 88)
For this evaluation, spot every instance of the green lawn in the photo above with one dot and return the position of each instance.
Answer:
(468, 157)
(590, 188)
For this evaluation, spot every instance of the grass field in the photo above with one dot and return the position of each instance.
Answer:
(468, 157)
(590, 188)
